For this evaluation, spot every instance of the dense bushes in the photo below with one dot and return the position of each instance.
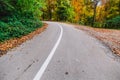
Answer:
(113, 23)
(19, 17)
(15, 28)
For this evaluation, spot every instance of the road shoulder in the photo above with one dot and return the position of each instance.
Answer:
(9, 44)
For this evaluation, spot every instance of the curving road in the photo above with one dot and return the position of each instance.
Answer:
(61, 52)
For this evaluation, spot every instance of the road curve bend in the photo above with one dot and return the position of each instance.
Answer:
(61, 52)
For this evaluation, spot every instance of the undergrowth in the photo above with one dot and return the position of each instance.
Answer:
(15, 27)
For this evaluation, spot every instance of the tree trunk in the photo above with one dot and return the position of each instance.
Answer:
(94, 15)
(50, 13)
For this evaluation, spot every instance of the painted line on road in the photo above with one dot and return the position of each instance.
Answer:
(47, 61)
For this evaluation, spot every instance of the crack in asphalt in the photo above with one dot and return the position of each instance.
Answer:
(26, 69)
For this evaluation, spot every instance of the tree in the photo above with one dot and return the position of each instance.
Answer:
(32, 7)
(49, 10)
(95, 3)
(77, 5)
(64, 10)
(19, 17)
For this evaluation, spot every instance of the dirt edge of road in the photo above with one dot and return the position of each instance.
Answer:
(108, 37)
(9, 44)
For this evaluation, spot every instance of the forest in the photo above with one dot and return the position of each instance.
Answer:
(96, 13)
(20, 17)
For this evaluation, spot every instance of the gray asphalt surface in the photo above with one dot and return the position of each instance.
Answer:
(78, 57)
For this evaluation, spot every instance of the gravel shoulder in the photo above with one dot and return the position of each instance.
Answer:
(109, 37)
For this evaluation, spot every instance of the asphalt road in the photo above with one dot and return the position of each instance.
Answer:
(61, 52)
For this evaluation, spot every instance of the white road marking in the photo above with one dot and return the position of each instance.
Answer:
(45, 64)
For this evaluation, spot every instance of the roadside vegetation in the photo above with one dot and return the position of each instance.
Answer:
(19, 18)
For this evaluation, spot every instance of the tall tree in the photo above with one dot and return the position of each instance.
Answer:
(32, 7)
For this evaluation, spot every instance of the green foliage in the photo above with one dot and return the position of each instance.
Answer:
(98, 25)
(21, 7)
(19, 17)
(5, 8)
(113, 23)
(33, 7)
(17, 28)
(59, 10)
(64, 11)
